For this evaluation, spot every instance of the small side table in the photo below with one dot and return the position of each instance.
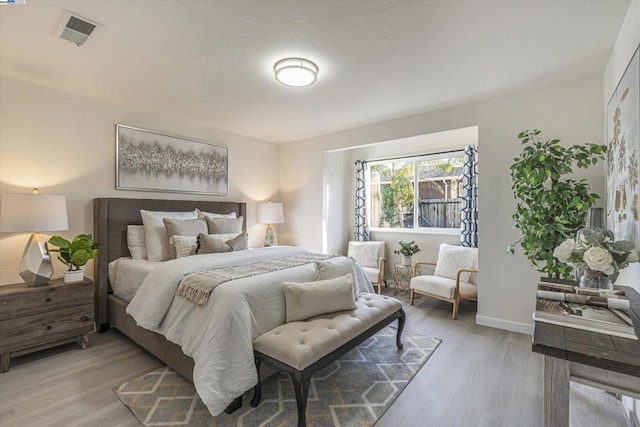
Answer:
(402, 275)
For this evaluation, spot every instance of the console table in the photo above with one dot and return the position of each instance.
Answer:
(599, 360)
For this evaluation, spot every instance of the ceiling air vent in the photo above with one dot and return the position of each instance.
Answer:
(75, 28)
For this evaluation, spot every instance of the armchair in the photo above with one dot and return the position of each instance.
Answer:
(454, 278)
(371, 255)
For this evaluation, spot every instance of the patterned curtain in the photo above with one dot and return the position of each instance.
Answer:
(360, 231)
(469, 215)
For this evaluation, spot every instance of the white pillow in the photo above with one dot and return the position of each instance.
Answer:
(335, 267)
(185, 245)
(308, 299)
(454, 258)
(202, 214)
(136, 242)
(155, 234)
(365, 253)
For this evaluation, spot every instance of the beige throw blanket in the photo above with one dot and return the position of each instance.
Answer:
(197, 287)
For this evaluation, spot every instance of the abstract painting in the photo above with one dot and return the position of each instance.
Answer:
(151, 161)
(623, 155)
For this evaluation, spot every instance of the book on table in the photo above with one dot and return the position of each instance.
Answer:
(586, 317)
(609, 298)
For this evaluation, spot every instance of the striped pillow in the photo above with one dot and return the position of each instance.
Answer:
(207, 244)
(239, 243)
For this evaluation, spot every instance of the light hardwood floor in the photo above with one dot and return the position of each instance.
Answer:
(478, 376)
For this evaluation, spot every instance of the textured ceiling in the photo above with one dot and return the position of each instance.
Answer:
(211, 61)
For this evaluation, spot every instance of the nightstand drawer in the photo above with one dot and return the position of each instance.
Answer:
(44, 298)
(37, 329)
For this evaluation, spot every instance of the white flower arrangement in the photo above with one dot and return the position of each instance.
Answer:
(597, 252)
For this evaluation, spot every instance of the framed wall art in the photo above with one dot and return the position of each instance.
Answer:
(151, 161)
(623, 155)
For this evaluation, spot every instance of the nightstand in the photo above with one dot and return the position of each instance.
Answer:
(35, 318)
(402, 275)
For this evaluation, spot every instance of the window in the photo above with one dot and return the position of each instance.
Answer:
(416, 192)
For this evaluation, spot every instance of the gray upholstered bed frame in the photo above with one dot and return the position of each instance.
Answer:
(110, 219)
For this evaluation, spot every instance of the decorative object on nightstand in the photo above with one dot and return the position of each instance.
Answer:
(35, 318)
(270, 213)
(402, 275)
(407, 250)
(34, 213)
(74, 254)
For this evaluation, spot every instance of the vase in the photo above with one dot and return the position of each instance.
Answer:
(595, 279)
(73, 276)
(595, 222)
(406, 260)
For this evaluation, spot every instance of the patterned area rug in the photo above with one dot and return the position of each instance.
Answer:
(354, 391)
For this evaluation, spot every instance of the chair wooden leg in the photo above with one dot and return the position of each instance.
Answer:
(455, 309)
(413, 295)
(379, 288)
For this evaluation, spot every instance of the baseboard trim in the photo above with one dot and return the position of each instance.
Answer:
(492, 322)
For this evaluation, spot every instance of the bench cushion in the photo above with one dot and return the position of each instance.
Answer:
(300, 344)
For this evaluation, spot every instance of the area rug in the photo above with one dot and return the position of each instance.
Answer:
(353, 391)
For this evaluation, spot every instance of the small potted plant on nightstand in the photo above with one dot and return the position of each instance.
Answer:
(407, 250)
(74, 254)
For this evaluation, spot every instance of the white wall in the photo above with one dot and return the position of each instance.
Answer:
(624, 48)
(572, 111)
(64, 144)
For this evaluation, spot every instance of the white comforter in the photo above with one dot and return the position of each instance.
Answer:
(219, 337)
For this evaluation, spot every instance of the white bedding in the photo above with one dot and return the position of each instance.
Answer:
(219, 337)
(126, 275)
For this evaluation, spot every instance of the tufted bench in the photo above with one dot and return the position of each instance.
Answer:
(302, 348)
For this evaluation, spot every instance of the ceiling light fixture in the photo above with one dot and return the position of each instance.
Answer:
(295, 72)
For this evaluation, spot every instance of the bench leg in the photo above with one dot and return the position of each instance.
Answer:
(401, 321)
(257, 389)
(234, 406)
(301, 387)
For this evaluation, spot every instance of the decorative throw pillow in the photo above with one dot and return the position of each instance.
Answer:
(224, 225)
(365, 253)
(185, 245)
(202, 214)
(207, 244)
(238, 243)
(454, 258)
(183, 227)
(155, 234)
(335, 267)
(308, 299)
(136, 242)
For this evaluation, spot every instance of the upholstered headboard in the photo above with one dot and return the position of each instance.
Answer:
(110, 219)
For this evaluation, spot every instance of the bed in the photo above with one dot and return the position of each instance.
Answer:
(111, 218)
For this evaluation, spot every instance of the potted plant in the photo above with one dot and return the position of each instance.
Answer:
(550, 206)
(407, 249)
(74, 254)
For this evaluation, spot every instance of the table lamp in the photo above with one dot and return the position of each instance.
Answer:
(34, 213)
(270, 213)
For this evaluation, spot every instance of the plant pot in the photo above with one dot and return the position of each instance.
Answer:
(74, 276)
(406, 260)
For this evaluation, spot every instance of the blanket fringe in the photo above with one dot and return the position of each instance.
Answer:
(197, 296)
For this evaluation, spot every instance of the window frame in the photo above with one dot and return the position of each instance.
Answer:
(416, 194)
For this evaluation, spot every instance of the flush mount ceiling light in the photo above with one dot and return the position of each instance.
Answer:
(295, 72)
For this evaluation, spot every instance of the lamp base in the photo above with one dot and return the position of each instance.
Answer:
(270, 237)
(35, 265)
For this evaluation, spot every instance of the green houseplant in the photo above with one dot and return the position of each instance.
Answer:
(550, 206)
(74, 254)
(407, 249)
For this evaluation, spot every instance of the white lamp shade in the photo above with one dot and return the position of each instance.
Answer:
(270, 213)
(33, 213)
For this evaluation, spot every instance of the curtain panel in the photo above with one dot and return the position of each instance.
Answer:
(360, 232)
(469, 214)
